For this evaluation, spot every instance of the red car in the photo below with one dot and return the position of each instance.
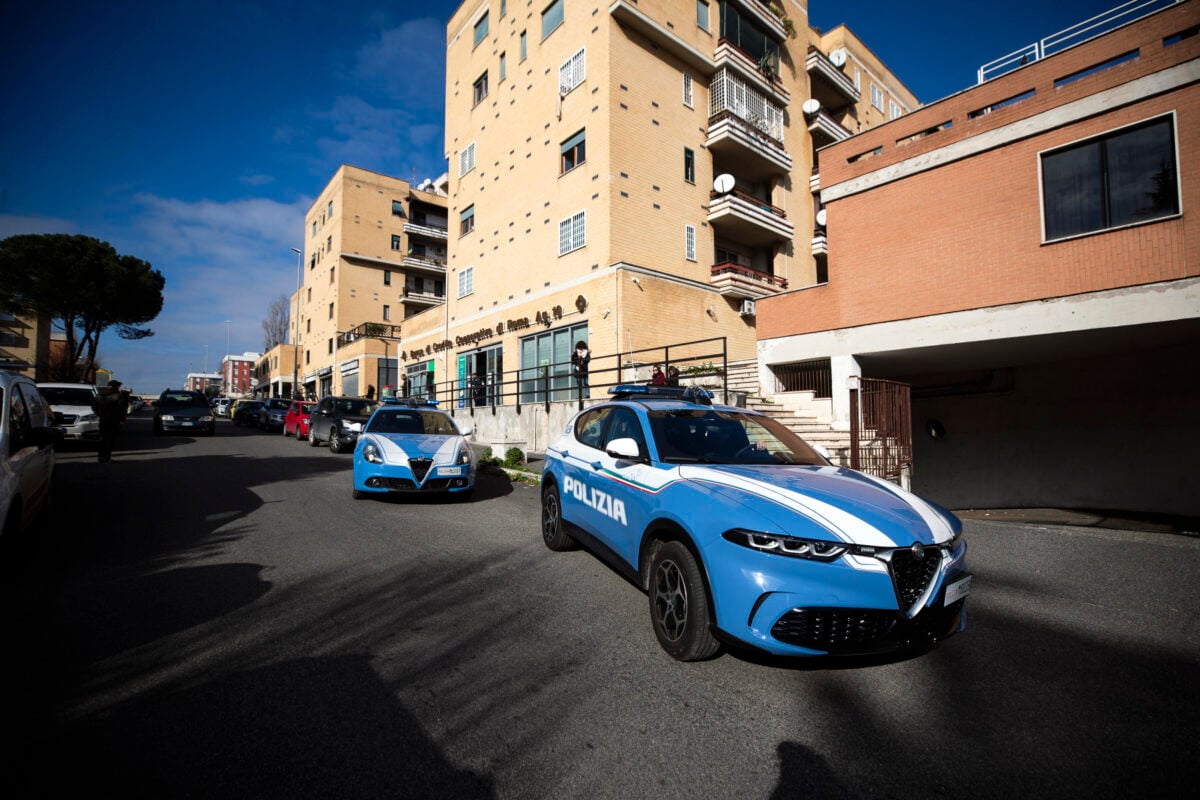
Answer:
(296, 421)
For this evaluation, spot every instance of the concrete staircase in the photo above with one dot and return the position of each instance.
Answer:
(801, 412)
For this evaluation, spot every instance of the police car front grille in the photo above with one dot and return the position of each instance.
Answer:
(406, 485)
(912, 575)
(835, 629)
(419, 467)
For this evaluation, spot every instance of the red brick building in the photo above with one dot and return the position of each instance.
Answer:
(1026, 254)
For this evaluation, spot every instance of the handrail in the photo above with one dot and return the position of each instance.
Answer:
(1078, 33)
(753, 274)
(555, 382)
(749, 198)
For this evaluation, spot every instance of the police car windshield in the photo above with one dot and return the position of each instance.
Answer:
(711, 436)
(411, 420)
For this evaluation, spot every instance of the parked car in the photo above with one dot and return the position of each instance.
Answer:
(295, 422)
(338, 420)
(272, 412)
(72, 406)
(739, 531)
(222, 407)
(412, 448)
(246, 412)
(27, 437)
(183, 411)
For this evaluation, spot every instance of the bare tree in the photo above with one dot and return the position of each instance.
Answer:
(276, 325)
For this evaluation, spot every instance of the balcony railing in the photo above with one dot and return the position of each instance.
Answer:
(428, 263)
(430, 231)
(417, 297)
(369, 330)
(749, 219)
(818, 64)
(729, 93)
(735, 280)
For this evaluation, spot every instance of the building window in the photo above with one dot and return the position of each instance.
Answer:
(308, 326)
(395, 242)
(503, 8)
(307, 357)
(466, 160)
(466, 281)
(397, 208)
(548, 355)
(387, 313)
(572, 233)
(480, 89)
(466, 221)
(331, 209)
(309, 298)
(572, 72)
(552, 17)
(332, 273)
(689, 242)
(329, 347)
(574, 152)
(877, 97)
(524, 45)
(857, 79)
(687, 90)
(503, 66)
(1121, 178)
(328, 244)
(481, 29)
(331, 310)
(689, 165)
(387, 277)
(702, 14)
(893, 110)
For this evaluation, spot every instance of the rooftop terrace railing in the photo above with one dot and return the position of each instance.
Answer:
(1069, 37)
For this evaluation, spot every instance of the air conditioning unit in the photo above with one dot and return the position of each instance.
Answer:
(747, 309)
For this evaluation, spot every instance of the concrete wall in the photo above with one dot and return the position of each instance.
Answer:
(1118, 432)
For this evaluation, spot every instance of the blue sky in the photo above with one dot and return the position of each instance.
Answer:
(196, 134)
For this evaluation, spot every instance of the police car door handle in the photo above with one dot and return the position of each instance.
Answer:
(595, 465)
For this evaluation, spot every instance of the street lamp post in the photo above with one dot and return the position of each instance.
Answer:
(296, 326)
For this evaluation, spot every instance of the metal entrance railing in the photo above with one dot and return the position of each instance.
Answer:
(881, 429)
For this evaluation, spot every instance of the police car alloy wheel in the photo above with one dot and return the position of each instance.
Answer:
(552, 525)
(679, 608)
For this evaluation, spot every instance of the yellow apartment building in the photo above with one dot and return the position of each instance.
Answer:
(631, 175)
(25, 345)
(374, 254)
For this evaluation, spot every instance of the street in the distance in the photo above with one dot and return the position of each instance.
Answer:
(217, 617)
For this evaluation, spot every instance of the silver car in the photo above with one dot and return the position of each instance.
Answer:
(72, 405)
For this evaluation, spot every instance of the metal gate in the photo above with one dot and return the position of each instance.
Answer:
(881, 429)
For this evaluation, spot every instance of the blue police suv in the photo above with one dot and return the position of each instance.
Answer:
(740, 532)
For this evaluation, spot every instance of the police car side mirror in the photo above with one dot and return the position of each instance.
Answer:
(465, 430)
(625, 449)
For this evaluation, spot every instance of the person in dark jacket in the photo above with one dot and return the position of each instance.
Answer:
(580, 359)
(110, 406)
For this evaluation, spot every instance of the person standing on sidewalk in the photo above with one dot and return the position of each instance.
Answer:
(110, 405)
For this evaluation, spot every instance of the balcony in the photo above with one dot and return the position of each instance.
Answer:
(825, 129)
(424, 263)
(417, 297)
(820, 242)
(828, 83)
(746, 219)
(744, 126)
(426, 230)
(369, 330)
(762, 77)
(744, 283)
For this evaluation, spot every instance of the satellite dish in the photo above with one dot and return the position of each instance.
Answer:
(838, 57)
(723, 183)
(821, 218)
(811, 107)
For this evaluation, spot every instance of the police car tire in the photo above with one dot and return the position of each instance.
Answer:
(676, 580)
(553, 533)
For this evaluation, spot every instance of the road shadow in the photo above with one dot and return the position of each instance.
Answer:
(303, 728)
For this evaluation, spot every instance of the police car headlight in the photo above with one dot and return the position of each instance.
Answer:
(371, 453)
(464, 455)
(792, 546)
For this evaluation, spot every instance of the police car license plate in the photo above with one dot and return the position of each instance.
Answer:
(449, 472)
(958, 590)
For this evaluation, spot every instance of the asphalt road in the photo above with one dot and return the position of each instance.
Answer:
(217, 618)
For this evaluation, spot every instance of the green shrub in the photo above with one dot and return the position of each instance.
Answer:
(513, 457)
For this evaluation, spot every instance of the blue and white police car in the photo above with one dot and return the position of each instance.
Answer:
(408, 446)
(740, 532)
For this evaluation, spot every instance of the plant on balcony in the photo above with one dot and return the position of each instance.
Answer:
(788, 25)
(372, 329)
